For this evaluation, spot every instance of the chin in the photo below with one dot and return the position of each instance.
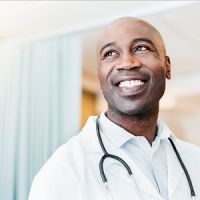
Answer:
(141, 109)
(130, 110)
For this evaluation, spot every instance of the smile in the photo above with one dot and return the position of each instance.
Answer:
(130, 83)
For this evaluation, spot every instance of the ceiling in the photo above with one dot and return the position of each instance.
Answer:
(22, 18)
(176, 20)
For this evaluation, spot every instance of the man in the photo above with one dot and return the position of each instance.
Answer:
(132, 68)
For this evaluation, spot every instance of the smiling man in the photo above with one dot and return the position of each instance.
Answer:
(132, 70)
(125, 152)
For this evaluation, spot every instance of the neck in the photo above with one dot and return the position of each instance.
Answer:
(142, 124)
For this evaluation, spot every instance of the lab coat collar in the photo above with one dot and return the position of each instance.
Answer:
(89, 136)
(163, 131)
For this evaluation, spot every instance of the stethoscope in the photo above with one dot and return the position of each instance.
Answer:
(108, 155)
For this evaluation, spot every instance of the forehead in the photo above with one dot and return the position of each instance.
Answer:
(125, 30)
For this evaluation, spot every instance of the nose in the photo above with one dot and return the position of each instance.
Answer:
(128, 62)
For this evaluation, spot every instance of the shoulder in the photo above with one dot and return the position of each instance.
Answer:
(72, 153)
(63, 158)
(188, 148)
(63, 170)
(182, 145)
(58, 174)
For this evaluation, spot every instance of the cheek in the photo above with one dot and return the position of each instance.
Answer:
(157, 72)
(159, 82)
(103, 73)
(156, 67)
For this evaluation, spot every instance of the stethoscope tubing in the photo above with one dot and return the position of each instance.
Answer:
(107, 155)
(184, 168)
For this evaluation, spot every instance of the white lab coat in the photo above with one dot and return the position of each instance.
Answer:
(72, 173)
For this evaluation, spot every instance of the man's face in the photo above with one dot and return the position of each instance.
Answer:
(132, 67)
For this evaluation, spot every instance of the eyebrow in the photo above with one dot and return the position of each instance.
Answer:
(107, 45)
(133, 41)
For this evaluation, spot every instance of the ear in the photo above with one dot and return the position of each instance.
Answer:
(168, 67)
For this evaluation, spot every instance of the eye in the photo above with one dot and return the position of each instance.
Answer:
(142, 48)
(110, 53)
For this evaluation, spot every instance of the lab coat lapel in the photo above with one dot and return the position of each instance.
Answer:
(175, 172)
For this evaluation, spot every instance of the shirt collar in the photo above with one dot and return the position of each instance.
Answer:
(119, 136)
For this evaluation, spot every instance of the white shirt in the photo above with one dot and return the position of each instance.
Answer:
(151, 159)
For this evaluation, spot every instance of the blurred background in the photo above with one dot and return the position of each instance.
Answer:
(48, 76)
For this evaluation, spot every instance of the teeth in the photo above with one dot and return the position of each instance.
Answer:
(130, 84)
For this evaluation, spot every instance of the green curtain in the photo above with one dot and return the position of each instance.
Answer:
(40, 95)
